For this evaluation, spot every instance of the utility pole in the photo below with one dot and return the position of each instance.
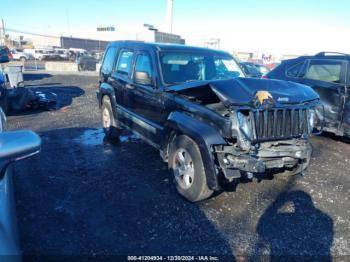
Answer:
(170, 16)
(2, 32)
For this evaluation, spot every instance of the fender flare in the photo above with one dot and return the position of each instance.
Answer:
(203, 134)
(106, 89)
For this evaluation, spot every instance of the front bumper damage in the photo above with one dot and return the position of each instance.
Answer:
(267, 157)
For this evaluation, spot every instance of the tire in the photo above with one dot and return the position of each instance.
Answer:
(192, 184)
(108, 120)
(23, 59)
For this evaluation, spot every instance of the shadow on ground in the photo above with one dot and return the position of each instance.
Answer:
(84, 195)
(292, 228)
(33, 77)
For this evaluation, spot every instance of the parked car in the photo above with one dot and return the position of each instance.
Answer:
(329, 75)
(86, 63)
(62, 53)
(3, 87)
(5, 53)
(207, 120)
(20, 54)
(263, 69)
(14, 146)
(38, 54)
(250, 69)
(254, 70)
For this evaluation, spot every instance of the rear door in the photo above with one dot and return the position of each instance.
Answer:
(120, 77)
(328, 78)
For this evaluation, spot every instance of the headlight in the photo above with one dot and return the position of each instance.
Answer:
(316, 118)
(241, 129)
(244, 125)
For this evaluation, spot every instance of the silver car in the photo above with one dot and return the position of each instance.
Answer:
(14, 146)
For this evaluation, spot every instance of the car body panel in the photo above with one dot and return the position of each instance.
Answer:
(240, 91)
(9, 244)
(334, 96)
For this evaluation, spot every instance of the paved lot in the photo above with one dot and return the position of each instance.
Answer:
(84, 195)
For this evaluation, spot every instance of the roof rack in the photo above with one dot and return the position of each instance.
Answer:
(335, 53)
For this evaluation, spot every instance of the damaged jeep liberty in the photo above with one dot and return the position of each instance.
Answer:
(209, 121)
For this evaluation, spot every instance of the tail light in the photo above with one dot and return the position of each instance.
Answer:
(265, 77)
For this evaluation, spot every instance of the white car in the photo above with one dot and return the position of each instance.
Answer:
(20, 54)
(63, 53)
(39, 54)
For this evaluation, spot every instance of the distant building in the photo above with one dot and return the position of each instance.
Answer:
(87, 44)
(162, 37)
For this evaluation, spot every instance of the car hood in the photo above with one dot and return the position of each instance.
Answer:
(242, 91)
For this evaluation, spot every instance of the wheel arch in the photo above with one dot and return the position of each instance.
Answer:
(107, 90)
(204, 135)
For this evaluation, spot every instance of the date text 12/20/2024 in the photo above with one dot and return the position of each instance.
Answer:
(173, 258)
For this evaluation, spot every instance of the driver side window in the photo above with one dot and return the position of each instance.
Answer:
(143, 64)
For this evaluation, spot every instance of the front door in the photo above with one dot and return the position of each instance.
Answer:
(144, 99)
(328, 77)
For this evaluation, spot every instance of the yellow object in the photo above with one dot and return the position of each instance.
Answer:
(261, 96)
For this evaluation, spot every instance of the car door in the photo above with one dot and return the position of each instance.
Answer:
(120, 76)
(327, 77)
(346, 114)
(144, 99)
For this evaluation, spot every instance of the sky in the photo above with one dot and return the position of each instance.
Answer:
(270, 26)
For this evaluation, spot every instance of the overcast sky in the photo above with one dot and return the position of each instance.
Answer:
(276, 26)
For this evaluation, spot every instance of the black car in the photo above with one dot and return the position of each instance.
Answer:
(328, 74)
(254, 70)
(207, 120)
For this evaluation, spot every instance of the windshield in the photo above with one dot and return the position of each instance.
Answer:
(179, 68)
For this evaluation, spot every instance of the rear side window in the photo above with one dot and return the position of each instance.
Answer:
(125, 62)
(324, 70)
(294, 70)
(108, 60)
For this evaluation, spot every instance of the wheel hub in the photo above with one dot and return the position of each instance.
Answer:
(183, 168)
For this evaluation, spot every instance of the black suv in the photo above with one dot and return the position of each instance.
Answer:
(207, 120)
(328, 74)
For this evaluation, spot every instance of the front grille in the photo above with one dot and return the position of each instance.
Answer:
(272, 124)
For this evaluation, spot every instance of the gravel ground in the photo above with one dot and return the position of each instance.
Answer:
(86, 196)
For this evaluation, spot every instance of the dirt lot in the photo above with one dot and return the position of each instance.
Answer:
(85, 196)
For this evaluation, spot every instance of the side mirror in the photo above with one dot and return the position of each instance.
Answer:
(17, 145)
(142, 78)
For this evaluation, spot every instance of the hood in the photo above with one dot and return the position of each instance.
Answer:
(242, 91)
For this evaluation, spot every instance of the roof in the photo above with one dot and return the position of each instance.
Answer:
(165, 46)
(323, 55)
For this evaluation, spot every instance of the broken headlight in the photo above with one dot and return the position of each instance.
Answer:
(244, 125)
(241, 129)
(316, 118)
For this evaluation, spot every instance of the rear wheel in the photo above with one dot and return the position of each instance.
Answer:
(185, 160)
(23, 59)
(109, 123)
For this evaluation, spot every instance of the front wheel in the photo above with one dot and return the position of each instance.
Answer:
(108, 120)
(186, 162)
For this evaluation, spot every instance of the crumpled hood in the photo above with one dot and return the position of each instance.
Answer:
(242, 91)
